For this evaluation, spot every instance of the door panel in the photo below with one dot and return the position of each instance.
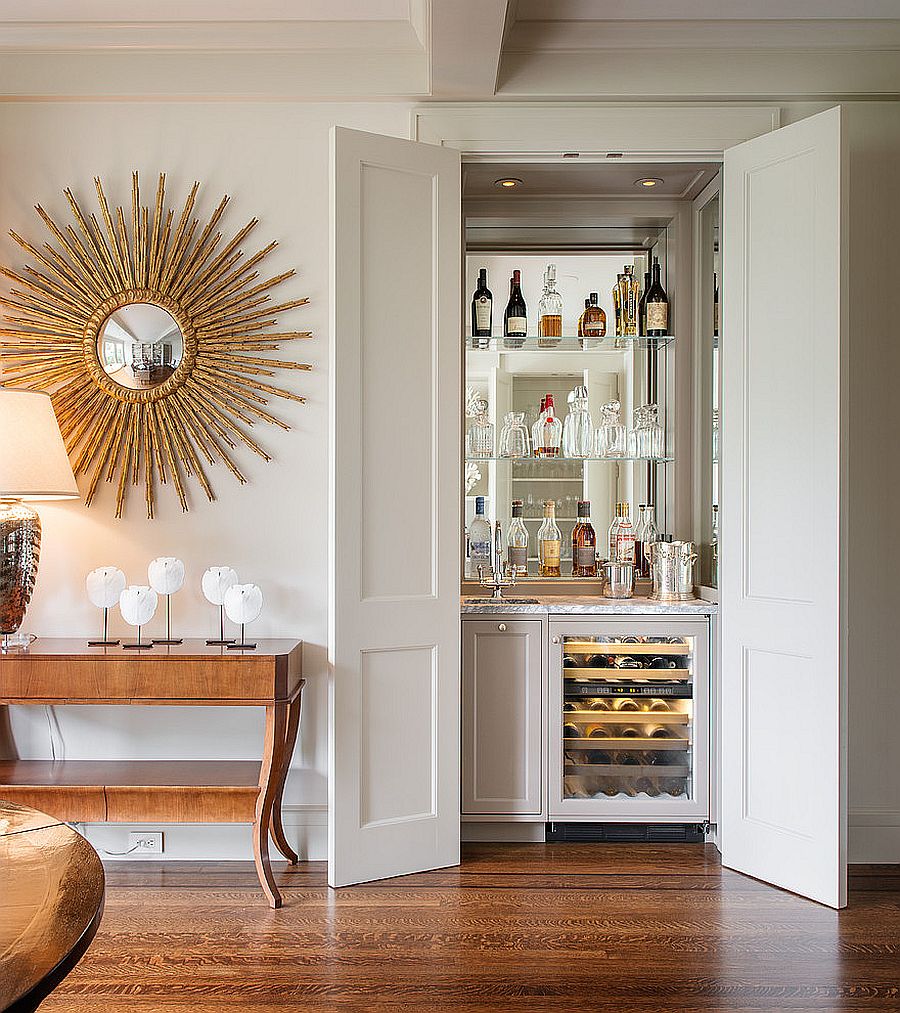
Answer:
(394, 563)
(502, 717)
(783, 738)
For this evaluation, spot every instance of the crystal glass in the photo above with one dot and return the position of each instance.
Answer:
(654, 438)
(578, 429)
(480, 436)
(514, 440)
(610, 436)
(637, 437)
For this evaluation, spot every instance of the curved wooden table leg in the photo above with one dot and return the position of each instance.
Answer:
(290, 740)
(269, 772)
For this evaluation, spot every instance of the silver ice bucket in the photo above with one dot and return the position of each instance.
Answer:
(672, 569)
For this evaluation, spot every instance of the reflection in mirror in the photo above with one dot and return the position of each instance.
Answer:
(140, 346)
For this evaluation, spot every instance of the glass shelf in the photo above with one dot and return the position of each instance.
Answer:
(610, 343)
(549, 461)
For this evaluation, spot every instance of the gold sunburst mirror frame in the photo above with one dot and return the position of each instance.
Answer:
(170, 418)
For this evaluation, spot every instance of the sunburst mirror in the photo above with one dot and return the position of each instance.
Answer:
(146, 332)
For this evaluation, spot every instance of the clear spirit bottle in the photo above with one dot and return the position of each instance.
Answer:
(550, 311)
(517, 541)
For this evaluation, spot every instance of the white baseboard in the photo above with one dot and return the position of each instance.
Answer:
(874, 836)
(306, 827)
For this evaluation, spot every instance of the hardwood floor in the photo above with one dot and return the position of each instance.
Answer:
(527, 928)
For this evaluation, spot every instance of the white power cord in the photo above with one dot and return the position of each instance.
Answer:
(119, 854)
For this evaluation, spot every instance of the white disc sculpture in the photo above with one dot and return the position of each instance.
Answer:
(215, 582)
(103, 586)
(137, 604)
(166, 576)
(243, 604)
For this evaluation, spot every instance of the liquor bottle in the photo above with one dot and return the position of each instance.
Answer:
(515, 317)
(587, 303)
(549, 542)
(624, 538)
(594, 322)
(657, 306)
(658, 705)
(638, 539)
(479, 539)
(584, 543)
(517, 541)
(625, 297)
(550, 311)
(649, 535)
(549, 431)
(626, 703)
(642, 305)
(482, 311)
(613, 531)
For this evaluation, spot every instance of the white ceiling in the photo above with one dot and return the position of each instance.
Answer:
(571, 178)
(452, 49)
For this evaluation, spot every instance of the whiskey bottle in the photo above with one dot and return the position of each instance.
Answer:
(482, 311)
(517, 541)
(584, 543)
(549, 542)
(550, 311)
(657, 306)
(594, 323)
(587, 302)
(515, 317)
(479, 539)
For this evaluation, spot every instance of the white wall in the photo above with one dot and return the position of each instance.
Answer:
(272, 158)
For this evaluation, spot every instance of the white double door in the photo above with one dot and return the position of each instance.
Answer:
(395, 464)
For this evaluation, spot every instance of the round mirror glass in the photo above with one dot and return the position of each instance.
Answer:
(140, 346)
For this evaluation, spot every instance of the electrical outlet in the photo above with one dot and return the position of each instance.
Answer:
(145, 842)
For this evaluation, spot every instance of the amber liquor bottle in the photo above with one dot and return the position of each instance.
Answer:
(584, 543)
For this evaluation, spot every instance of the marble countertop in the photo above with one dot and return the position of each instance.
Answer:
(571, 605)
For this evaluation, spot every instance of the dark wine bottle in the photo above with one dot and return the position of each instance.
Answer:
(515, 317)
(657, 306)
(482, 310)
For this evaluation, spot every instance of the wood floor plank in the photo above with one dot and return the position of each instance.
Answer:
(527, 928)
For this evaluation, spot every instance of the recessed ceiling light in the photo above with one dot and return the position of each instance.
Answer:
(648, 181)
(508, 182)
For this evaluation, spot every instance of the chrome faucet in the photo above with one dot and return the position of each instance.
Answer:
(498, 580)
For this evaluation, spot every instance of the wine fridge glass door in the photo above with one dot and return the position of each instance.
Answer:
(631, 721)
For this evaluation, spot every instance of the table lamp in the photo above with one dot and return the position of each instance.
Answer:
(33, 466)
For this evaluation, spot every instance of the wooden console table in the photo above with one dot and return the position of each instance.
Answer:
(191, 674)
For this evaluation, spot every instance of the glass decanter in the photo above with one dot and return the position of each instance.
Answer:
(480, 436)
(514, 440)
(637, 436)
(653, 433)
(610, 435)
(578, 429)
(550, 311)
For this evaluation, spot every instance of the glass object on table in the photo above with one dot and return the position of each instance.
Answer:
(578, 430)
(654, 437)
(549, 542)
(517, 541)
(480, 436)
(610, 435)
(550, 311)
(514, 436)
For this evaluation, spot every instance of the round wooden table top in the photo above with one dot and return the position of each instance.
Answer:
(51, 901)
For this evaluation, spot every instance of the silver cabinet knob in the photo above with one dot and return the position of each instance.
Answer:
(556, 640)
(502, 627)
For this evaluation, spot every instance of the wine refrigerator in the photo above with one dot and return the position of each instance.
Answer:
(629, 720)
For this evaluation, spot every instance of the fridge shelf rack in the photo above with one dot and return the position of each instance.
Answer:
(608, 743)
(602, 717)
(617, 647)
(628, 770)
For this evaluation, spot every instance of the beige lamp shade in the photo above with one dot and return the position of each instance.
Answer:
(33, 460)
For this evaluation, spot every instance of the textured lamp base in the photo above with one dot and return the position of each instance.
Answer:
(20, 551)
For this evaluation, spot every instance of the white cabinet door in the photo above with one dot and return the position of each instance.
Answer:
(502, 735)
(784, 803)
(395, 461)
